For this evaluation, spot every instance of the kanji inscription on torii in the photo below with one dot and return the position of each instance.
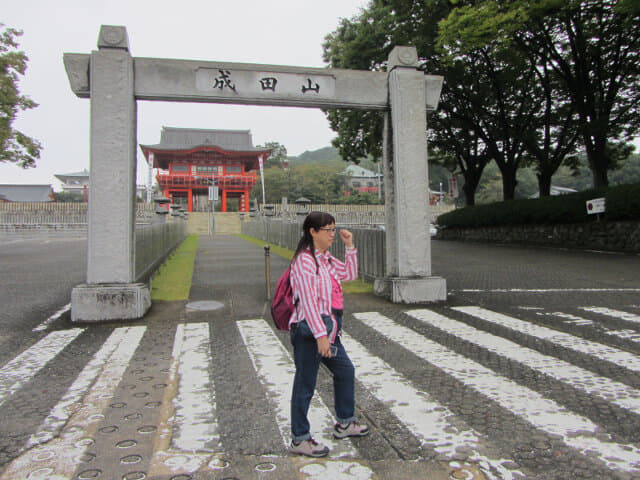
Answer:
(228, 83)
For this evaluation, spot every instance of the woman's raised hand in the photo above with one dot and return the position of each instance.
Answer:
(347, 237)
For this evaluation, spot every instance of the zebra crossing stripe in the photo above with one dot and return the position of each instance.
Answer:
(25, 366)
(423, 416)
(275, 370)
(194, 405)
(187, 439)
(44, 325)
(58, 459)
(60, 414)
(629, 317)
(601, 352)
(576, 431)
(609, 390)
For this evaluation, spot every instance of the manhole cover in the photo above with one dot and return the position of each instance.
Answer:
(204, 305)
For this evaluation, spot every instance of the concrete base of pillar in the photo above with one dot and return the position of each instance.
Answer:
(115, 301)
(411, 289)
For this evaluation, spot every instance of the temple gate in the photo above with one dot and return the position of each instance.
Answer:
(114, 81)
(193, 159)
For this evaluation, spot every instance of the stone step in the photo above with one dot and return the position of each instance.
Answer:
(225, 222)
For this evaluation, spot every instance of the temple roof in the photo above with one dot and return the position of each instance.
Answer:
(203, 145)
(173, 138)
(84, 173)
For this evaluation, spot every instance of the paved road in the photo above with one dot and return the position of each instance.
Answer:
(531, 369)
(37, 275)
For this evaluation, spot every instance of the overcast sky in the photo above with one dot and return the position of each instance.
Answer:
(280, 32)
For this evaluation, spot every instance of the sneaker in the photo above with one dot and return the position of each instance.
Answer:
(352, 429)
(310, 448)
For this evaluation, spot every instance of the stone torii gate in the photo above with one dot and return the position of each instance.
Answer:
(114, 81)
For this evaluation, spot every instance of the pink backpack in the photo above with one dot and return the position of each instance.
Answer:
(282, 306)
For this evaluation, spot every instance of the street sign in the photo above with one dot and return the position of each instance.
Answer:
(453, 186)
(213, 193)
(595, 205)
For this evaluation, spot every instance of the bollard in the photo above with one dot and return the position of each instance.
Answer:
(267, 271)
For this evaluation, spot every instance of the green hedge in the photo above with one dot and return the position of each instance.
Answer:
(622, 203)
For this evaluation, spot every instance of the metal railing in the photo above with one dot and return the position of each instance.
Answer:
(347, 214)
(203, 180)
(154, 243)
(284, 233)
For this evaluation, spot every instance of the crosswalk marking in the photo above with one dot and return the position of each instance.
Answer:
(629, 317)
(58, 459)
(602, 352)
(275, 370)
(187, 439)
(194, 405)
(544, 290)
(576, 431)
(612, 391)
(44, 325)
(23, 368)
(60, 414)
(423, 416)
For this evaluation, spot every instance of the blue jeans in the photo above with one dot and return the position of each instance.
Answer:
(307, 360)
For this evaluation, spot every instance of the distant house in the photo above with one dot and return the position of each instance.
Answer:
(79, 183)
(75, 182)
(361, 179)
(26, 193)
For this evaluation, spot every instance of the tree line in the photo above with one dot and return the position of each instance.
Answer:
(315, 175)
(526, 83)
(300, 178)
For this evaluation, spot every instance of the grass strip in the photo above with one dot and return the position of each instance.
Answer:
(172, 281)
(354, 286)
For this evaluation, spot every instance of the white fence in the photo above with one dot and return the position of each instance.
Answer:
(55, 215)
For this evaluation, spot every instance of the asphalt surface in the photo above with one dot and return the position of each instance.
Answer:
(530, 369)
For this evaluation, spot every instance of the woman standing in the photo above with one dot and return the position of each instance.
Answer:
(315, 331)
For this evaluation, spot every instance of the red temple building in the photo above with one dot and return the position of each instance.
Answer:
(190, 160)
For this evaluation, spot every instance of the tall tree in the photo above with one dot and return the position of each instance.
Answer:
(593, 46)
(485, 97)
(554, 135)
(15, 146)
(364, 42)
(278, 155)
(486, 100)
(453, 135)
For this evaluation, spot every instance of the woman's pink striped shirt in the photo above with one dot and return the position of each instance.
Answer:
(314, 290)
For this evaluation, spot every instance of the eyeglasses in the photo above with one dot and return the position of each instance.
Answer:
(330, 230)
